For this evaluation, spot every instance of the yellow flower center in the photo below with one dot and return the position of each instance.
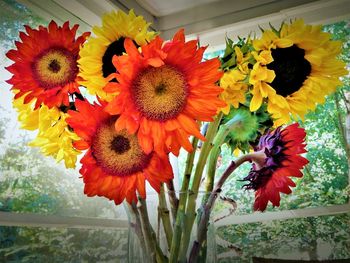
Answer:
(118, 153)
(160, 93)
(54, 67)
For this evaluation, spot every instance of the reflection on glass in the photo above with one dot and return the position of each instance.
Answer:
(24, 244)
(312, 238)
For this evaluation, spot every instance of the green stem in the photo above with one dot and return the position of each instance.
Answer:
(207, 208)
(193, 193)
(180, 216)
(220, 138)
(155, 253)
(164, 212)
(174, 201)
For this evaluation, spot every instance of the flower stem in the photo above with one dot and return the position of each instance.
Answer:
(135, 222)
(180, 216)
(193, 193)
(155, 253)
(164, 212)
(203, 224)
(219, 139)
(174, 201)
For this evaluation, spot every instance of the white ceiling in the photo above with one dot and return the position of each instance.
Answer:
(162, 8)
(210, 20)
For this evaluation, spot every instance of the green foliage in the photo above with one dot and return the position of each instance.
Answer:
(325, 237)
(23, 244)
(13, 17)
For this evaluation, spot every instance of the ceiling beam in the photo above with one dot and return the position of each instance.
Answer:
(50, 10)
(85, 13)
(217, 14)
(318, 12)
(127, 5)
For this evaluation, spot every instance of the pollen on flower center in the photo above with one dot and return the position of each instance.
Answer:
(291, 69)
(159, 93)
(54, 67)
(118, 153)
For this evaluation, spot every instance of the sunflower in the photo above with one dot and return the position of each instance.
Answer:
(163, 91)
(95, 61)
(234, 79)
(45, 67)
(27, 116)
(296, 68)
(55, 138)
(115, 166)
(234, 89)
(277, 157)
(245, 134)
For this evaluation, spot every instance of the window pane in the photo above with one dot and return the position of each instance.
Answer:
(26, 244)
(312, 238)
(30, 182)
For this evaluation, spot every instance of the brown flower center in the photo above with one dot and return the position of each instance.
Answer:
(55, 67)
(120, 144)
(118, 153)
(160, 93)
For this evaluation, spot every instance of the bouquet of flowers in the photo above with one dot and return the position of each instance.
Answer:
(126, 99)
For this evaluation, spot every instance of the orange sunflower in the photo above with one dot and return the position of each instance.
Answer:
(277, 157)
(45, 65)
(163, 91)
(115, 166)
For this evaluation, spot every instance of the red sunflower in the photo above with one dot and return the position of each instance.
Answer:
(115, 166)
(45, 65)
(276, 159)
(163, 91)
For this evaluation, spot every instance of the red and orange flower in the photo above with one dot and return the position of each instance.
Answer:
(115, 166)
(277, 158)
(45, 65)
(163, 91)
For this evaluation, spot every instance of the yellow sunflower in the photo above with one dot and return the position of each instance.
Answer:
(95, 61)
(27, 116)
(55, 138)
(295, 70)
(234, 89)
(233, 81)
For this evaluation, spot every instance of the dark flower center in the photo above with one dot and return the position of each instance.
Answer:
(291, 69)
(160, 89)
(54, 66)
(115, 48)
(120, 144)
